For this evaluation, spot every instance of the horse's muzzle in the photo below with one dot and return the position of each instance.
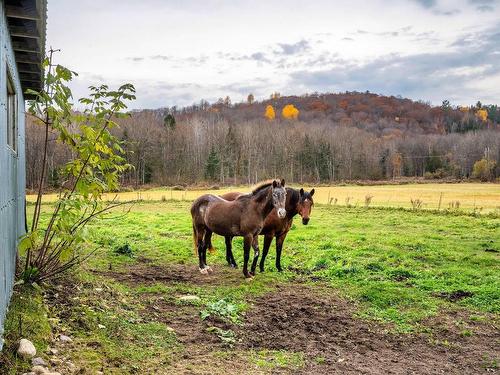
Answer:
(305, 220)
(281, 213)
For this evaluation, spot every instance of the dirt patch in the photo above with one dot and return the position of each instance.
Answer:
(311, 320)
(185, 320)
(454, 296)
(144, 271)
(300, 319)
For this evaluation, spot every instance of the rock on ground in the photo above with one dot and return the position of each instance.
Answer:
(38, 362)
(65, 338)
(26, 349)
(39, 370)
(189, 298)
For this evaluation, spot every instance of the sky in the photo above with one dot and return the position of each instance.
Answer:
(178, 52)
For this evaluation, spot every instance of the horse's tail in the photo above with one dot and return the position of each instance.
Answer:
(198, 209)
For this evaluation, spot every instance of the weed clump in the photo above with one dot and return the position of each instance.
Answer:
(124, 250)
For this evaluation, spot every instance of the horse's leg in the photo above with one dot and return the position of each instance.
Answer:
(279, 246)
(207, 241)
(247, 243)
(200, 233)
(267, 243)
(233, 261)
(229, 249)
(256, 251)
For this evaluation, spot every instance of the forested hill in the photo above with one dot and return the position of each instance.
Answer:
(321, 138)
(378, 114)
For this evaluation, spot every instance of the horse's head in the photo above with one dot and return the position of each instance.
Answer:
(305, 204)
(279, 197)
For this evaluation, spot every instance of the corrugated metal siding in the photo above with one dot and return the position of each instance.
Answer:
(12, 175)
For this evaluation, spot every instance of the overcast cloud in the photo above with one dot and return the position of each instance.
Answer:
(179, 52)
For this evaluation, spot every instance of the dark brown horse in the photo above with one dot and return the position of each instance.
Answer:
(297, 202)
(243, 217)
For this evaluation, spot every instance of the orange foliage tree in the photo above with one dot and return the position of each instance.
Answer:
(269, 114)
(290, 112)
(482, 114)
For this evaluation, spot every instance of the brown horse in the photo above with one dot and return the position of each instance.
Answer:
(297, 202)
(243, 216)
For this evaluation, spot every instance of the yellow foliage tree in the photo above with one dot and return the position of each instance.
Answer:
(482, 114)
(270, 114)
(290, 112)
(484, 169)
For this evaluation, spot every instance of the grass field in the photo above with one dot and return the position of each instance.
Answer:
(471, 196)
(364, 290)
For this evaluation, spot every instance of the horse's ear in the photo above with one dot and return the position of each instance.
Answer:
(301, 192)
(282, 182)
(275, 184)
(312, 192)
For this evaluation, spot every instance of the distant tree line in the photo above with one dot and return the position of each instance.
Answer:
(312, 138)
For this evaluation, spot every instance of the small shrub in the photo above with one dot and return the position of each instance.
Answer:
(484, 169)
(222, 308)
(436, 175)
(400, 274)
(228, 337)
(416, 203)
(348, 202)
(368, 200)
(374, 267)
(124, 250)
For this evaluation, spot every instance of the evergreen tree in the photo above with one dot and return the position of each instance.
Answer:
(169, 121)
(213, 165)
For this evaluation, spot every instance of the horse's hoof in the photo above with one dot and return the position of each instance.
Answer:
(248, 278)
(262, 269)
(203, 271)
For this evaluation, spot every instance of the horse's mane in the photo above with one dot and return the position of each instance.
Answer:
(261, 186)
(293, 195)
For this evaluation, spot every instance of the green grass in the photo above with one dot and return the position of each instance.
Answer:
(395, 265)
(276, 359)
(27, 318)
(363, 249)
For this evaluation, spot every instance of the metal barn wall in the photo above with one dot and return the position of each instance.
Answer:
(12, 174)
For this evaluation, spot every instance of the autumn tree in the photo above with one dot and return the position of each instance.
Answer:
(270, 114)
(397, 162)
(290, 112)
(483, 169)
(482, 114)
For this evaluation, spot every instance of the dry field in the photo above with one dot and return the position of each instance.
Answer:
(471, 196)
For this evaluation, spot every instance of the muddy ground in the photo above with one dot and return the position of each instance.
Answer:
(315, 321)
